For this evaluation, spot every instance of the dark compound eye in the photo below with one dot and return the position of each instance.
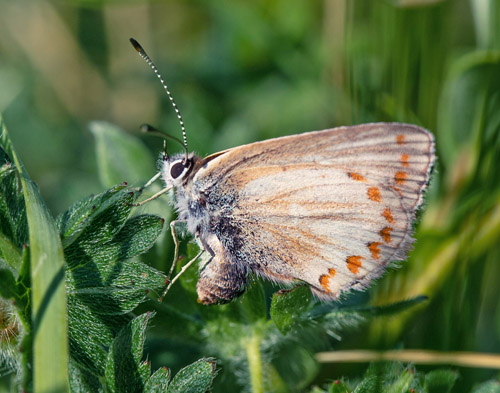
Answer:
(177, 170)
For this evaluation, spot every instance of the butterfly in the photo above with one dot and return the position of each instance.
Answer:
(330, 208)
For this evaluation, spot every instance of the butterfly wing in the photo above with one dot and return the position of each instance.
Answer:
(331, 208)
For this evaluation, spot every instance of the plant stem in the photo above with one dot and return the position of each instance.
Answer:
(252, 348)
(417, 356)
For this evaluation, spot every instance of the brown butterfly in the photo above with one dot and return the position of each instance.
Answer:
(331, 208)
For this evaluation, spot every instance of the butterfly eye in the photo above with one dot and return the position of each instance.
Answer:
(177, 170)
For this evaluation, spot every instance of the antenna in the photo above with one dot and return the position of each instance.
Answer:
(148, 60)
(155, 131)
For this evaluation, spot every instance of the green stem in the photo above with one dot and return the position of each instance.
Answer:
(252, 348)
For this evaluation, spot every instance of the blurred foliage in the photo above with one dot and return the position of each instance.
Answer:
(245, 71)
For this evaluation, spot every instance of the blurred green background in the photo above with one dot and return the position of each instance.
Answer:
(244, 71)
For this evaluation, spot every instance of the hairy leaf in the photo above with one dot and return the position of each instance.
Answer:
(195, 378)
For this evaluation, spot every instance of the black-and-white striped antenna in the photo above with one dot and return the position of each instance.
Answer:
(148, 60)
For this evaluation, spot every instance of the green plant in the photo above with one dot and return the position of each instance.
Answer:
(82, 334)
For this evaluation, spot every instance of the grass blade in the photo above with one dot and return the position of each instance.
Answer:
(49, 327)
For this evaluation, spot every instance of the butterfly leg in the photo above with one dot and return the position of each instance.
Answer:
(184, 268)
(176, 258)
(148, 183)
(176, 246)
(151, 181)
(158, 194)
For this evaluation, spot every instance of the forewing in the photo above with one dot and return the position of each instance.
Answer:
(331, 207)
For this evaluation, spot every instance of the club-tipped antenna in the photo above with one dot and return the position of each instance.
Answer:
(155, 131)
(148, 60)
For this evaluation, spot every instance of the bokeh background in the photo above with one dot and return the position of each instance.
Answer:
(244, 71)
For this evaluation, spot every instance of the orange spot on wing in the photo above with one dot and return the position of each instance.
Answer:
(354, 263)
(356, 176)
(373, 247)
(387, 214)
(332, 272)
(324, 280)
(404, 159)
(386, 234)
(374, 194)
(400, 139)
(400, 177)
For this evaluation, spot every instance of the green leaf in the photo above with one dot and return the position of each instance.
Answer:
(402, 383)
(195, 378)
(90, 335)
(8, 289)
(369, 384)
(440, 381)
(158, 382)
(103, 283)
(73, 221)
(82, 380)
(137, 236)
(13, 221)
(100, 275)
(9, 253)
(120, 156)
(103, 265)
(378, 377)
(124, 370)
(338, 387)
(288, 307)
(50, 344)
(104, 224)
(469, 102)
(487, 387)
